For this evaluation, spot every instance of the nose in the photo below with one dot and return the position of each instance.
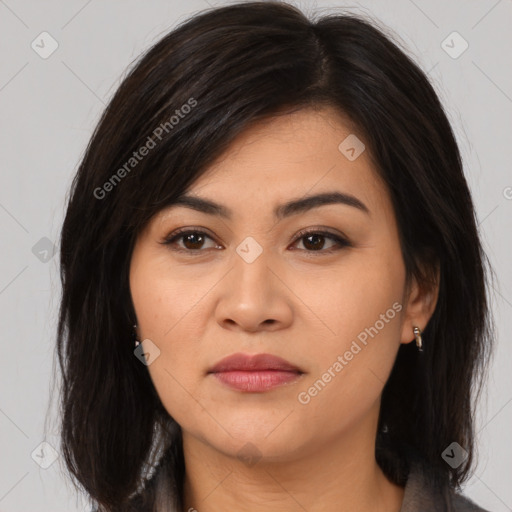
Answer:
(254, 297)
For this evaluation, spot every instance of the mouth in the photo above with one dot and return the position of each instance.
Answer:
(255, 373)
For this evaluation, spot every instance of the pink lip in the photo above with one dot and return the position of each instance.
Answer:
(256, 373)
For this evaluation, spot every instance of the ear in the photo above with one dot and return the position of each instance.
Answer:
(420, 302)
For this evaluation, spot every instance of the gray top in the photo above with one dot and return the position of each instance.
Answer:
(422, 496)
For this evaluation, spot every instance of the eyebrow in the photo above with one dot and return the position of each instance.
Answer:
(282, 211)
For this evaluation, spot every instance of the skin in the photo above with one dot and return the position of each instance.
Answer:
(296, 300)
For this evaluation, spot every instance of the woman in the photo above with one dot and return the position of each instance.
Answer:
(274, 293)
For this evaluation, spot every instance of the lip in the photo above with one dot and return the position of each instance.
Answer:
(255, 373)
(256, 362)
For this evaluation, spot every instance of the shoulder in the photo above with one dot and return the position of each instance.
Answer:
(424, 492)
(463, 504)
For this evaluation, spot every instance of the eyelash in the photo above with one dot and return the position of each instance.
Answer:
(341, 242)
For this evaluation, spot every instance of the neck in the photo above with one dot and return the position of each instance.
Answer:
(332, 474)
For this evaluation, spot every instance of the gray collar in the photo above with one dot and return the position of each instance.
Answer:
(423, 495)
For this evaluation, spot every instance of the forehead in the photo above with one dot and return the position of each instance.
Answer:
(293, 155)
(296, 152)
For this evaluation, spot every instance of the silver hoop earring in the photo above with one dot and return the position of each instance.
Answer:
(419, 341)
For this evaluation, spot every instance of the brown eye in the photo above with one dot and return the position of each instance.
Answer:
(314, 241)
(191, 241)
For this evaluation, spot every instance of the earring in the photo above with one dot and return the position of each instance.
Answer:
(417, 335)
(137, 342)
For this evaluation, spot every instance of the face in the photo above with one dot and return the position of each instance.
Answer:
(319, 284)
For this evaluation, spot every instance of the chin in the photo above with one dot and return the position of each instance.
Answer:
(254, 436)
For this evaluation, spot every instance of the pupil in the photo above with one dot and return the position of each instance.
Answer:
(196, 244)
(316, 238)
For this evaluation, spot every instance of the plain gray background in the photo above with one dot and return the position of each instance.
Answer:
(49, 107)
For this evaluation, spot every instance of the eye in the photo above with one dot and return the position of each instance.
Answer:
(193, 241)
(314, 241)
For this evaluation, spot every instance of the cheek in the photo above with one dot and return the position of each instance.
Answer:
(165, 315)
(362, 292)
(158, 305)
(174, 373)
(361, 311)
(163, 295)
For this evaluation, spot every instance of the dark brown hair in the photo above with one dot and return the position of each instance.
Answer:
(186, 100)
